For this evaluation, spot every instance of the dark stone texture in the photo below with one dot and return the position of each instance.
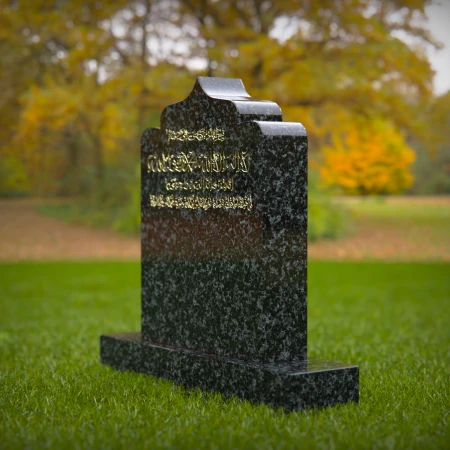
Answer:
(291, 385)
(230, 282)
(224, 254)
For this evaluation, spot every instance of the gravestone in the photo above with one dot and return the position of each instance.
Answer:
(224, 255)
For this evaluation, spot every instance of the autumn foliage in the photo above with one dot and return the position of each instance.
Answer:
(373, 159)
(80, 80)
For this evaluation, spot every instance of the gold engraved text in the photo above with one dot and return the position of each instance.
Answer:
(201, 202)
(205, 134)
(207, 162)
(206, 183)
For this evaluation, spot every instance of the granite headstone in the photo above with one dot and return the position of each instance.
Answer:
(224, 255)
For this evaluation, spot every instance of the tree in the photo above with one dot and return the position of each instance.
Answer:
(432, 169)
(90, 90)
(369, 158)
(328, 63)
(309, 55)
(58, 124)
(115, 65)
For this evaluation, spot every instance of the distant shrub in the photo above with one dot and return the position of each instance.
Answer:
(114, 203)
(129, 221)
(326, 219)
(438, 184)
(432, 172)
(117, 200)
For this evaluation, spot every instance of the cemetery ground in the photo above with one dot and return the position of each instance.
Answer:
(384, 310)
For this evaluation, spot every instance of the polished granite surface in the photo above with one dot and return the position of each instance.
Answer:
(224, 250)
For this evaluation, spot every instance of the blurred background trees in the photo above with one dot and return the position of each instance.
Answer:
(80, 80)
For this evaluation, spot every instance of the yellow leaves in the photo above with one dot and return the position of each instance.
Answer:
(302, 115)
(112, 130)
(368, 158)
(50, 108)
(97, 93)
(65, 127)
(12, 174)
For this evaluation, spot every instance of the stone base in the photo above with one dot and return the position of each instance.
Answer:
(291, 385)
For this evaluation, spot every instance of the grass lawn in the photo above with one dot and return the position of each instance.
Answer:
(391, 319)
(407, 213)
(414, 209)
(395, 229)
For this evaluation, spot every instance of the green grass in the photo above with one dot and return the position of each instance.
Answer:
(380, 210)
(391, 319)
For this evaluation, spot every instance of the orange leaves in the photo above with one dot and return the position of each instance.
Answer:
(372, 158)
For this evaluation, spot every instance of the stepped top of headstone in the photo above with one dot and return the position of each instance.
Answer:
(220, 102)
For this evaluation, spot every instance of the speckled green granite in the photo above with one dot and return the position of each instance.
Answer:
(224, 255)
